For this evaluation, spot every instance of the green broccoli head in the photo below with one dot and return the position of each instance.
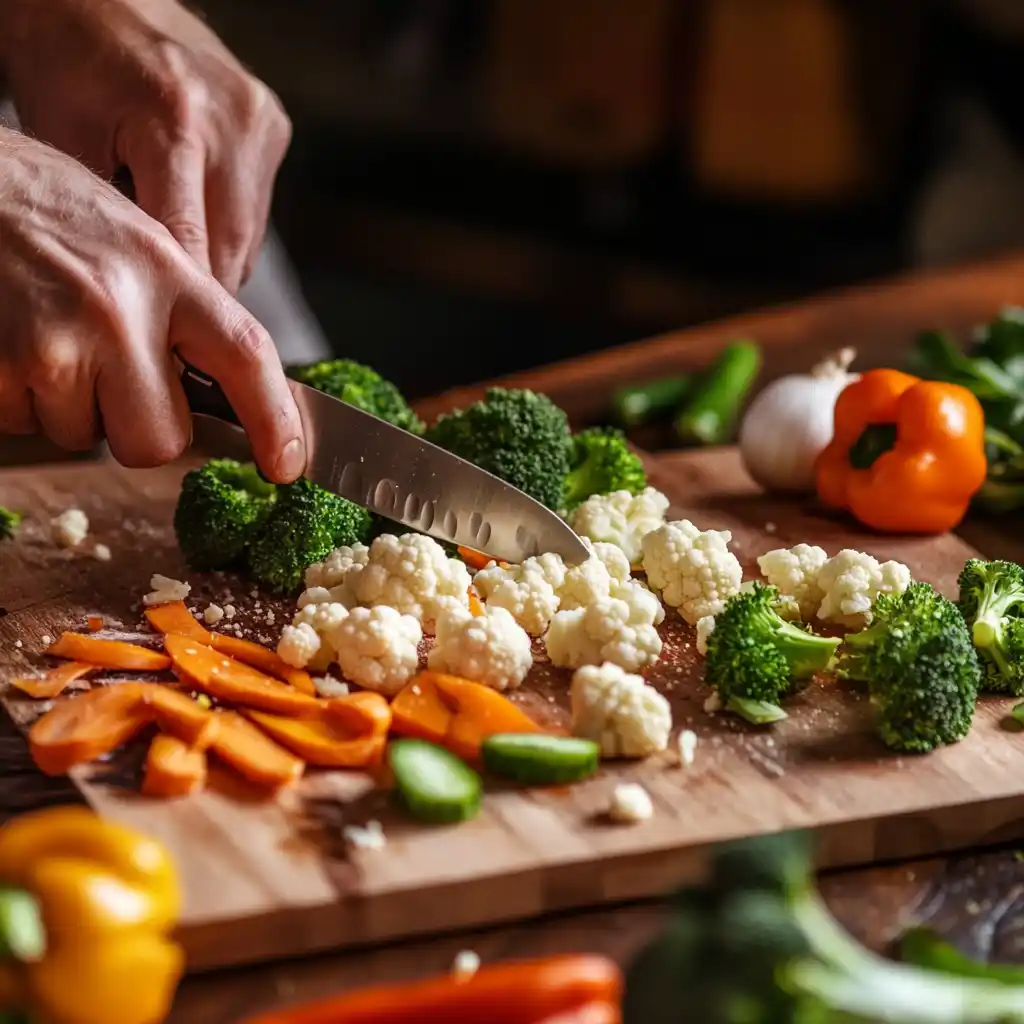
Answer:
(755, 654)
(520, 436)
(602, 462)
(304, 526)
(9, 522)
(362, 387)
(220, 509)
(991, 602)
(920, 667)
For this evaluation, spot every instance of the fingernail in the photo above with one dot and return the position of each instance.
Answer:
(293, 459)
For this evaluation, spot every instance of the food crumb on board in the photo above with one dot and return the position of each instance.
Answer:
(630, 803)
(687, 747)
(713, 703)
(46, 639)
(366, 837)
(70, 528)
(465, 965)
(229, 611)
(18, 643)
(770, 527)
(166, 591)
(327, 686)
(213, 614)
(101, 553)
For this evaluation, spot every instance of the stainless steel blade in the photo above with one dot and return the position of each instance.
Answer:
(406, 479)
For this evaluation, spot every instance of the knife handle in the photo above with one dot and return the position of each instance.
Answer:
(205, 396)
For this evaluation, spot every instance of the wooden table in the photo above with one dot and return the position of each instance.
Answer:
(972, 899)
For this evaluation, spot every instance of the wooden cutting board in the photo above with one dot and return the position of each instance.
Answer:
(266, 880)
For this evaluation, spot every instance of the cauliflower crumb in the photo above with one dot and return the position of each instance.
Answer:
(165, 590)
(328, 687)
(378, 648)
(229, 611)
(705, 627)
(298, 644)
(713, 703)
(465, 965)
(851, 581)
(526, 591)
(368, 837)
(70, 528)
(694, 570)
(46, 639)
(492, 649)
(101, 553)
(630, 804)
(794, 573)
(687, 747)
(621, 518)
(620, 711)
(213, 614)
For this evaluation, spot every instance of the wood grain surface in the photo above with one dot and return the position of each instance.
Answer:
(271, 879)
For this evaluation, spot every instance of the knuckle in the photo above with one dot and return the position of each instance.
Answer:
(251, 340)
(55, 365)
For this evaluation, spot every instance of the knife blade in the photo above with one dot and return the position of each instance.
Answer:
(397, 475)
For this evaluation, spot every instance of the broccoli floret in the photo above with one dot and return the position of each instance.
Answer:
(9, 522)
(520, 436)
(756, 655)
(220, 509)
(304, 526)
(602, 462)
(920, 667)
(362, 387)
(991, 602)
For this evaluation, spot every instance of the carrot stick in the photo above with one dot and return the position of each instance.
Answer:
(475, 560)
(323, 741)
(178, 714)
(56, 680)
(254, 755)
(88, 725)
(518, 992)
(231, 681)
(173, 768)
(476, 606)
(94, 623)
(419, 711)
(264, 659)
(176, 618)
(116, 654)
(360, 713)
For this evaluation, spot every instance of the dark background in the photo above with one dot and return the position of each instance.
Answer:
(478, 186)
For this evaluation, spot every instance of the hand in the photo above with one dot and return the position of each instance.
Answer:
(146, 85)
(95, 297)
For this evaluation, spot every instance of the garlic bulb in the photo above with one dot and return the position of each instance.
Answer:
(790, 422)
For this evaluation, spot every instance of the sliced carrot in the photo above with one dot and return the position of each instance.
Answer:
(176, 618)
(360, 713)
(173, 768)
(476, 606)
(229, 680)
(178, 714)
(94, 623)
(253, 754)
(116, 654)
(456, 713)
(264, 659)
(323, 741)
(56, 680)
(87, 726)
(477, 560)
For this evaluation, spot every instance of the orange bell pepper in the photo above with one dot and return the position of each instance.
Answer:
(906, 455)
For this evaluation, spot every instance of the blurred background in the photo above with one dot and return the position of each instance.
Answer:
(480, 186)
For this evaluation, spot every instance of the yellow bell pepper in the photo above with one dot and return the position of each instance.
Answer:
(108, 899)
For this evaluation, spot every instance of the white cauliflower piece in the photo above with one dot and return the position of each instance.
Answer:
(620, 711)
(492, 649)
(621, 518)
(694, 570)
(794, 573)
(411, 573)
(166, 590)
(613, 557)
(70, 528)
(298, 645)
(705, 627)
(525, 591)
(584, 584)
(324, 619)
(336, 568)
(616, 629)
(378, 648)
(851, 581)
(630, 804)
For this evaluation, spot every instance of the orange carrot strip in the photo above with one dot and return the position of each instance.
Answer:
(88, 725)
(323, 741)
(253, 754)
(264, 659)
(476, 606)
(360, 713)
(56, 680)
(477, 560)
(94, 623)
(176, 618)
(116, 654)
(178, 714)
(173, 768)
(456, 713)
(231, 681)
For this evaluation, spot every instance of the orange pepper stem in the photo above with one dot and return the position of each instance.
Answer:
(875, 441)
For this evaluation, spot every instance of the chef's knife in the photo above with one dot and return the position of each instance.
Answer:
(397, 475)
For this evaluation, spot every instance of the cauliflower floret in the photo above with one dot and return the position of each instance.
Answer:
(492, 649)
(525, 591)
(298, 645)
(705, 627)
(584, 584)
(794, 573)
(378, 648)
(694, 570)
(616, 629)
(335, 569)
(620, 711)
(70, 528)
(621, 518)
(324, 619)
(613, 557)
(411, 573)
(851, 581)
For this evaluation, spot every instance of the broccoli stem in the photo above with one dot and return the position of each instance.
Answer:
(756, 712)
(711, 414)
(638, 404)
(806, 653)
(995, 604)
